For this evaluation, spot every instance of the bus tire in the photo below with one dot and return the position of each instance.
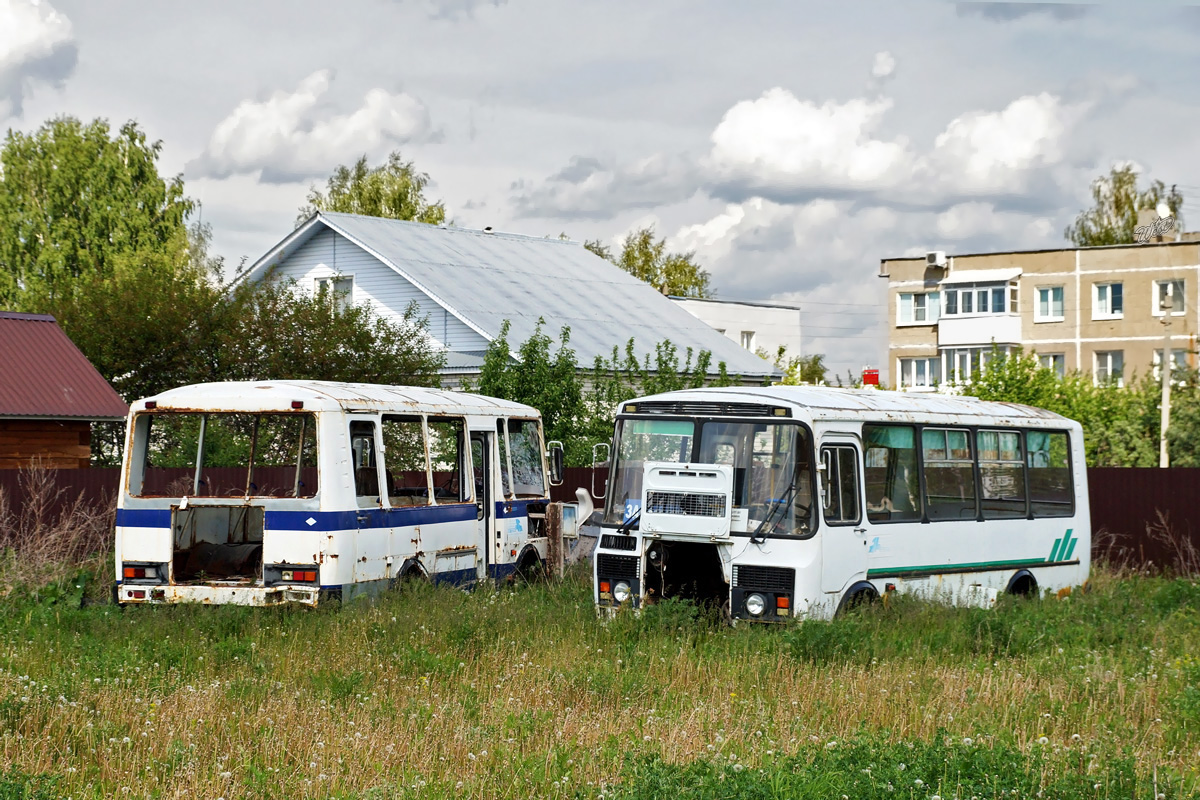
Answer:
(530, 568)
(1023, 584)
(860, 594)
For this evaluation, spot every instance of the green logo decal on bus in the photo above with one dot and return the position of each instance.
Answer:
(1064, 547)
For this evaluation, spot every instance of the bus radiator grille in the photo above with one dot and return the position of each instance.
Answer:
(688, 505)
(767, 579)
(616, 566)
(611, 541)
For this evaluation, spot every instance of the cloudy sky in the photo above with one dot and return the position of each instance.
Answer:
(791, 145)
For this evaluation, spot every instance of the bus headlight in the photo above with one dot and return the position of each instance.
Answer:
(621, 592)
(756, 604)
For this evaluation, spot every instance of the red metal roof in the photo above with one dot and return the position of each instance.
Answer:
(43, 374)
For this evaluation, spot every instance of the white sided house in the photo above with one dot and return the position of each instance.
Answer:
(469, 282)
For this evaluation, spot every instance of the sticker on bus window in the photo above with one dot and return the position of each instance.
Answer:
(632, 507)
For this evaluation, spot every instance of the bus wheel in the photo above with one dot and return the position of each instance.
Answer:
(859, 595)
(530, 568)
(1023, 584)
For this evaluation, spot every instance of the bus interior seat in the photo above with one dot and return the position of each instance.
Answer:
(366, 482)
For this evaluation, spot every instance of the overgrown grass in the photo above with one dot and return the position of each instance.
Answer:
(523, 692)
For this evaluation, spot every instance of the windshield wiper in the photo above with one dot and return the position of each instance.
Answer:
(627, 525)
(757, 537)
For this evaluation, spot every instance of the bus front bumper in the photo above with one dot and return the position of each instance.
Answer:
(217, 594)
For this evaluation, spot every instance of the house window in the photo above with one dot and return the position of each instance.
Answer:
(918, 309)
(1178, 362)
(748, 340)
(920, 372)
(1049, 305)
(1108, 301)
(1176, 290)
(339, 287)
(1110, 367)
(1053, 361)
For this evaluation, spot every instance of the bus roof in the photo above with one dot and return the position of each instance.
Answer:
(329, 396)
(824, 402)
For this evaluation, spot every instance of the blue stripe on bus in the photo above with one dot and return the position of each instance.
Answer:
(322, 520)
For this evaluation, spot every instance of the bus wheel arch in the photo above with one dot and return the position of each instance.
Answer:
(1022, 584)
(859, 594)
(411, 570)
(529, 565)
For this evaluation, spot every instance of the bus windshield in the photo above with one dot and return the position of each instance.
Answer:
(772, 468)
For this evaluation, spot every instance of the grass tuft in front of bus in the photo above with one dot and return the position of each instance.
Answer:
(523, 692)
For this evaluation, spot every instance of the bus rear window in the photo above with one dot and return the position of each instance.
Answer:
(1051, 491)
(225, 455)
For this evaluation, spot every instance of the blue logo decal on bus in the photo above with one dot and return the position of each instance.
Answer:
(632, 507)
(874, 545)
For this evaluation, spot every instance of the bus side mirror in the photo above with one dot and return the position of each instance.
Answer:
(556, 463)
(597, 461)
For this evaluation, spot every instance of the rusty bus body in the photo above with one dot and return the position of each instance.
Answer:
(269, 492)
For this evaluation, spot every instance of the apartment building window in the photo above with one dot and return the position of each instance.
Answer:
(1178, 362)
(1108, 301)
(748, 340)
(918, 308)
(340, 289)
(1110, 367)
(1053, 361)
(1049, 304)
(974, 300)
(1177, 290)
(920, 372)
(963, 362)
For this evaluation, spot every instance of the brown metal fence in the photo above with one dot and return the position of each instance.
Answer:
(1140, 517)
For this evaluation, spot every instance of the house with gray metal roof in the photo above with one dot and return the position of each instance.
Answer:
(469, 282)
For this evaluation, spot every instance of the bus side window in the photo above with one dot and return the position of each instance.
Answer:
(446, 457)
(365, 463)
(404, 456)
(1051, 488)
(893, 491)
(841, 485)
(1001, 474)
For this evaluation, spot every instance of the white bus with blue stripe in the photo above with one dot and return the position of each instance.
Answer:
(260, 493)
(782, 502)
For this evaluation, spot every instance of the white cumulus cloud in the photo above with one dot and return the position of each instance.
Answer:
(884, 66)
(287, 137)
(36, 46)
(997, 151)
(782, 146)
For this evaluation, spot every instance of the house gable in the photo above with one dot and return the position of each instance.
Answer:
(327, 253)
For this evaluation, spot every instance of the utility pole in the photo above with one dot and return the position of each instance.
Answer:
(1164, 458)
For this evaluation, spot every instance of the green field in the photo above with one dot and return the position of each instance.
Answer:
(523, 692)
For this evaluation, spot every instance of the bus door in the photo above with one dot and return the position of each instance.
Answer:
(371, 543)
(485, 513)
(844, 536)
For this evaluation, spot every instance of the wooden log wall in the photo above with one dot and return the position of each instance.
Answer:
(59, 444)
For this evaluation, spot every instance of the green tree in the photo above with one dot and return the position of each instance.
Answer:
(647, 259)
(582, 415)
(1120, 424)
(797, 370)
(75, 201)
(1113, 218)
(394, 190)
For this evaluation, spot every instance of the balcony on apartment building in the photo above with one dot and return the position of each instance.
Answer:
(979, 307)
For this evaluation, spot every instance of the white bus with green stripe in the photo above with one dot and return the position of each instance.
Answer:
(783, 502)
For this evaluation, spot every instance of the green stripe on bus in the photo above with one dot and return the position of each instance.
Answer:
(980, 566)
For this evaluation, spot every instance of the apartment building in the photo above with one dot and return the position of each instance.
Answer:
(1102, 310)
